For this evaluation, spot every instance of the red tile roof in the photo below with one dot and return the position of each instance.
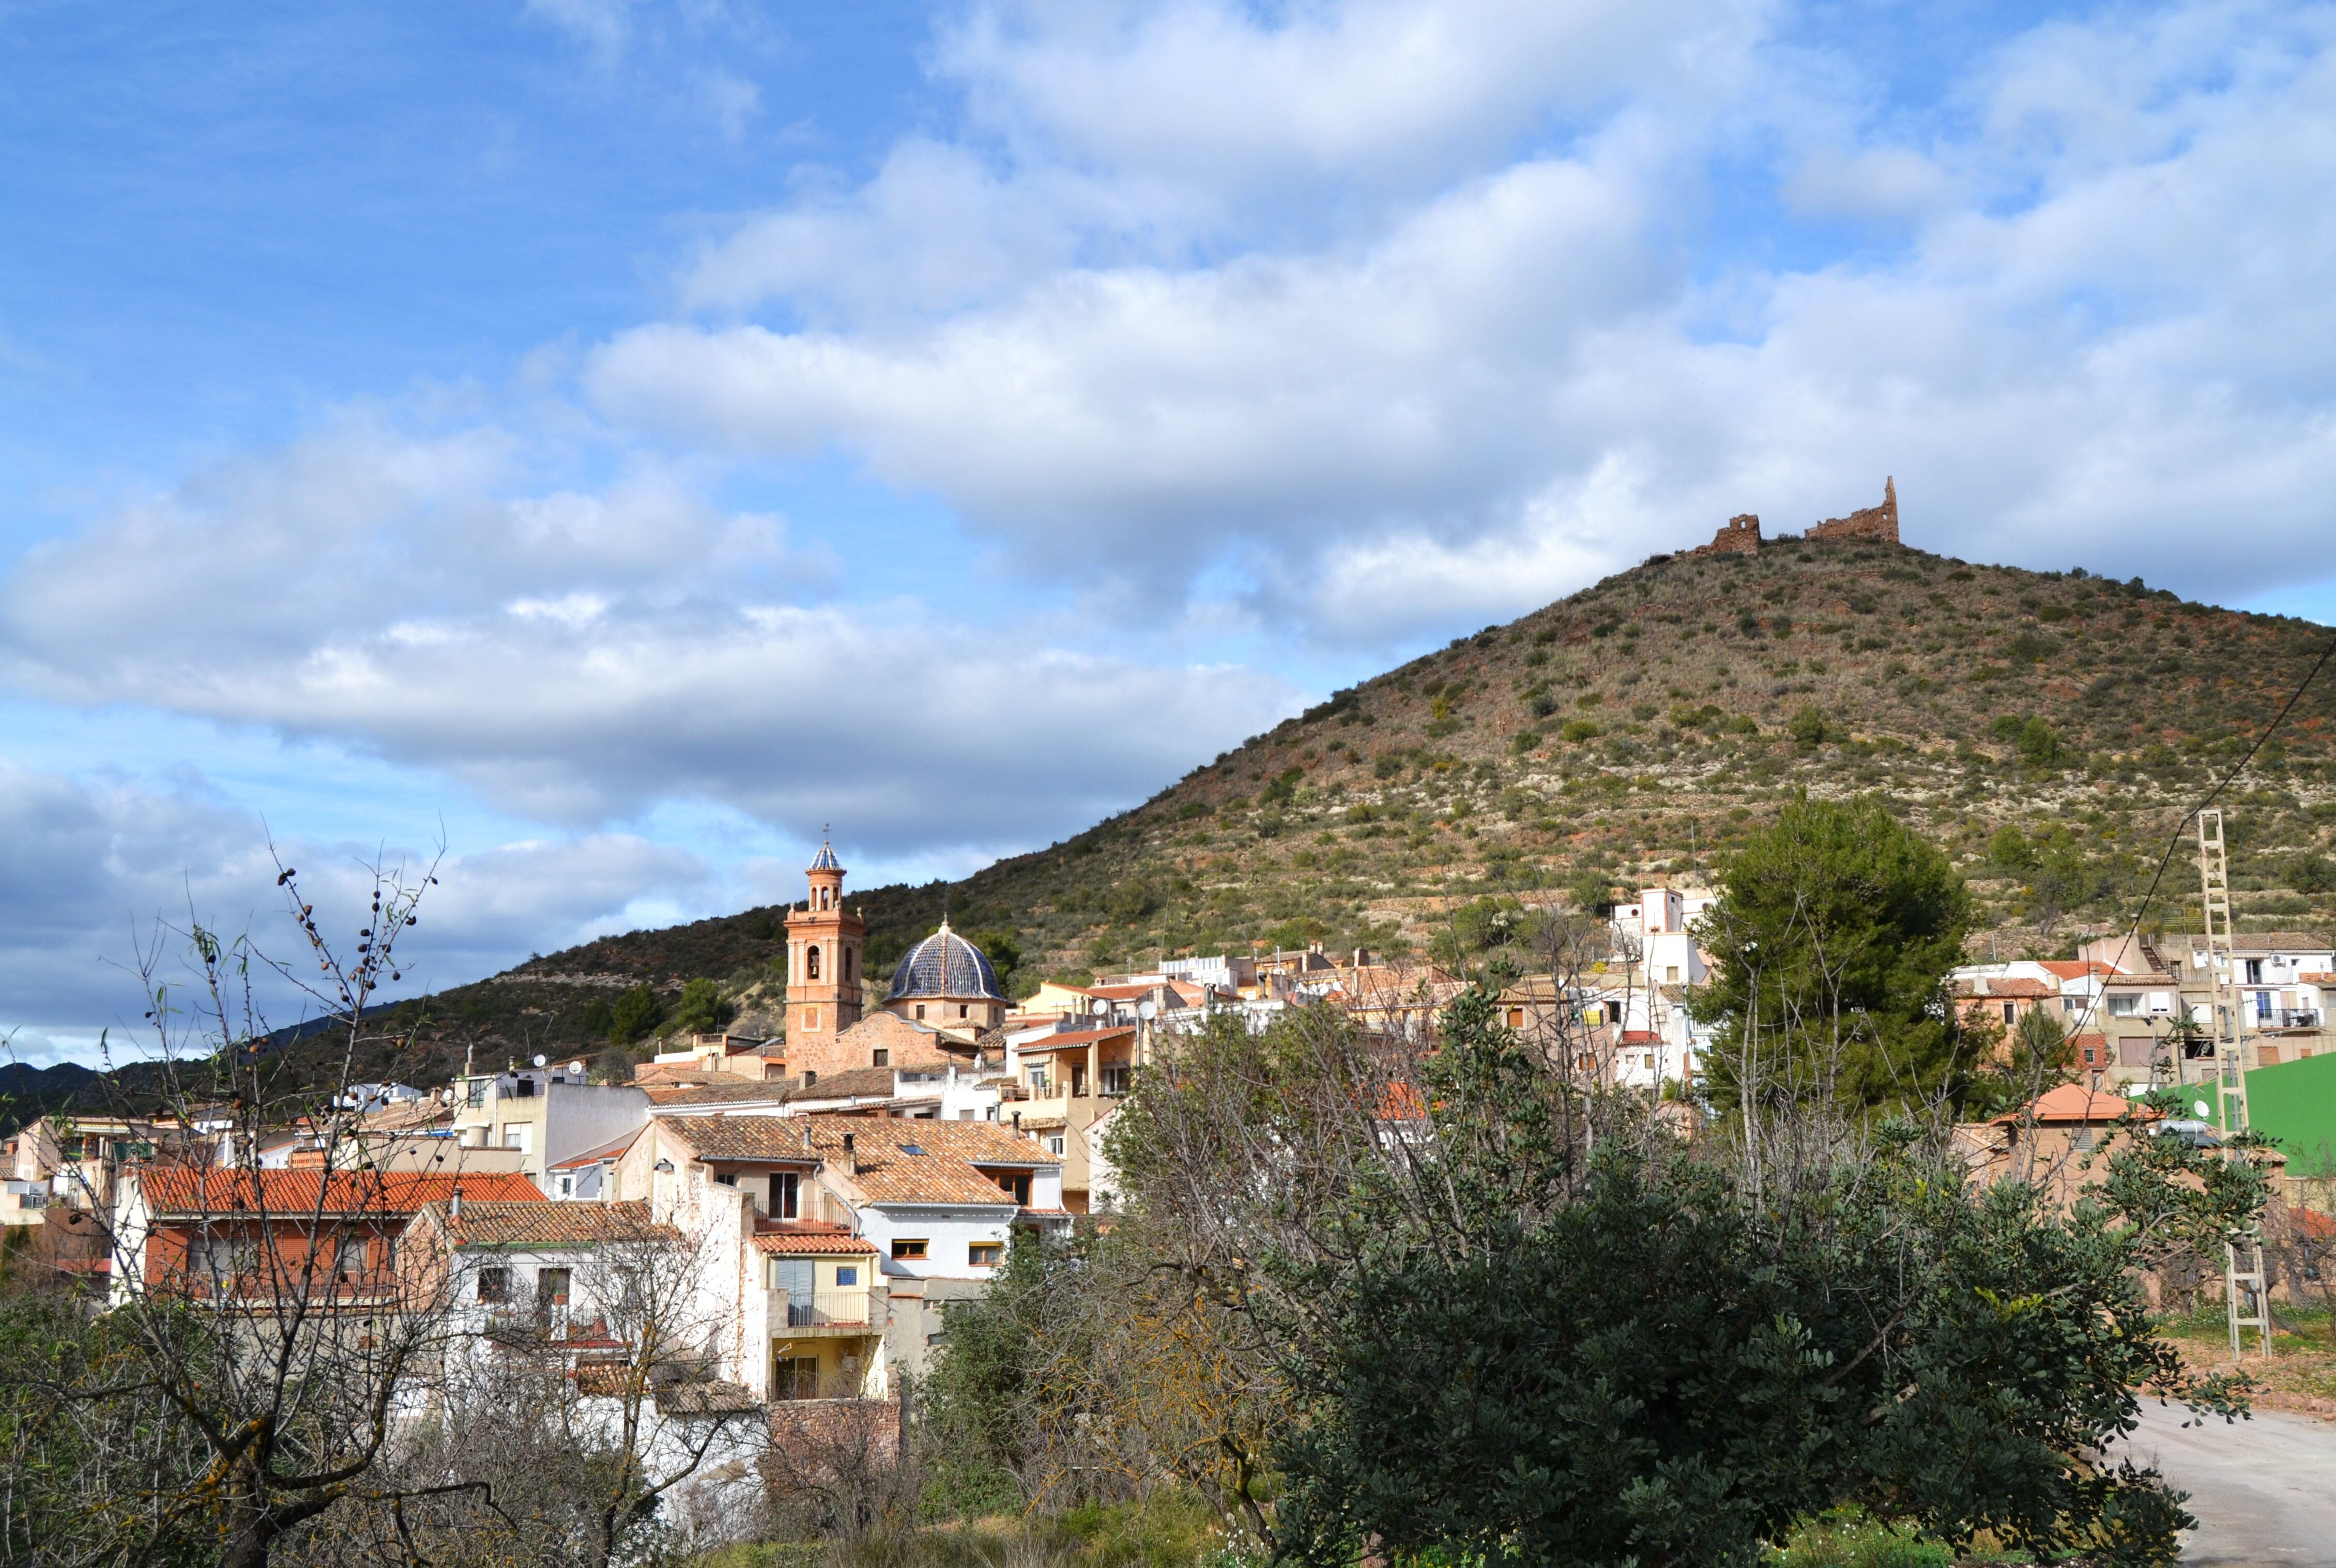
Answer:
(812, 1241)
(292, 1194)
(2071, 1104)
(1078, 1039)
(542, 1224)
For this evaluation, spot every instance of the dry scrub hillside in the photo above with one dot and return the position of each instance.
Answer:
(2046, 729)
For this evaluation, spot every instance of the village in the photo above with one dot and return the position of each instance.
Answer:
(819, 1197)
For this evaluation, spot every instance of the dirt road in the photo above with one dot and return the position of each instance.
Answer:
(2263, 1491)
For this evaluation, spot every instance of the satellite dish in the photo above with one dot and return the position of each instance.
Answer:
(575, 1067)
(539, 1060)
(1147, 1009)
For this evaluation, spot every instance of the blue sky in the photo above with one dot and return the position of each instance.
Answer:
(610, 438)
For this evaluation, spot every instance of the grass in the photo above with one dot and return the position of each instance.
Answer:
(1166, 1532)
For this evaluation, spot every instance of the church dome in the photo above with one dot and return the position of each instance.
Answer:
(945, 965)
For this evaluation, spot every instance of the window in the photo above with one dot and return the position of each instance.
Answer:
(2124, 1007)
(1516, 1018)
(1055, 1144)
(727, 1178)
(881, 1056)
(349, 1257)
(962, 1010)
(1115, 1079)
(846, 1276)
(1038, 1079)
(551, 1288)
(476, 1094)
(515, 1137)
(811, 962)
(1670, 973)
(2010, 1012)
(567, 1186)
(921, 1010)
(796, 1378)
(1017, 1184)
(849, 955)
(810, 1078)
(494, 1284)
(786, 1187)
(986, 1254)
(523, 1089)
(905, 1248)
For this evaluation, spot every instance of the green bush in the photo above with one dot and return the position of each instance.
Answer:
(635, 1015)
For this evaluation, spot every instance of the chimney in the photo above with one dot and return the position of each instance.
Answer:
(454, 1203)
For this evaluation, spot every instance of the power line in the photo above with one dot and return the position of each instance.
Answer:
(2174, 840)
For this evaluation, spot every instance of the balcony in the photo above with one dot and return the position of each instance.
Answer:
(2288, 1018)
(849, 1311)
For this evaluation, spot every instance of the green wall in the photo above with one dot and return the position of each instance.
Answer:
(2294, 1105)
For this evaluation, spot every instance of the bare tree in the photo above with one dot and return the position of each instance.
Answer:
(250, 1371)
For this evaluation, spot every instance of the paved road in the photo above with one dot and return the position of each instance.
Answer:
(2263, 1491)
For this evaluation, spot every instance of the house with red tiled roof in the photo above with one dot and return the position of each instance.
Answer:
(319, 1235)
(930, 1206)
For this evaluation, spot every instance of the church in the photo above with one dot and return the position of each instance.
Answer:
(944, 993)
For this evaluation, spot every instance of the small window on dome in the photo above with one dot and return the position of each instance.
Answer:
(962, 1010)
(921, 1010)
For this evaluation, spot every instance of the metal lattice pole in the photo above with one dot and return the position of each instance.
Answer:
(2244, 1295)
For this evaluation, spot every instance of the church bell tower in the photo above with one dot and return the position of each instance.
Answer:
(824, 942)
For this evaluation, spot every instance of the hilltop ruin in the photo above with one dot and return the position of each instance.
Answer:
(1740, 535)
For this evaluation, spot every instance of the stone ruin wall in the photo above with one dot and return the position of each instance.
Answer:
(1875, 522)
(1741, 536)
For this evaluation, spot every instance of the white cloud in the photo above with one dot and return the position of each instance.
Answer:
(2106, 314)
(581, 657)
(93, 872)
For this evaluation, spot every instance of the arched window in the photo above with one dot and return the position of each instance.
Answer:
(811, 964)
(849, 954)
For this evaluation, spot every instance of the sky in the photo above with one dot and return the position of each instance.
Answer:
(596, 446)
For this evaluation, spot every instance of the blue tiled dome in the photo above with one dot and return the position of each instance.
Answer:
(826, 860)
(945, 965)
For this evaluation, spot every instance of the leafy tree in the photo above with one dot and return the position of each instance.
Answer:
(1808, 728)
(1833, 938)
(701, 1009)
(1526, 1353)
(1002, 948)
(635, 1015)
(2011, 849)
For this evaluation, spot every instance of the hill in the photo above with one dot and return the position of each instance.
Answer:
(2046, 729)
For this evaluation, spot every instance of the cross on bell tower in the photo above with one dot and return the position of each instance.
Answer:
(824, 942)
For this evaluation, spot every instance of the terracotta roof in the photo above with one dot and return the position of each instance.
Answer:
(2004, 988)
(944, 1171)
(291, 1193)
(813, 1241)
(2073, 1103)
(2073, 970)
(1640, 1037)
(873, 1083)
(708, 1089)
(1075, 1039)
(600, 1152)
(1129, 993)
(722, 1137)
(542, 1224)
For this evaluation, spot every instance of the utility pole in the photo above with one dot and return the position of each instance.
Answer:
(2243, 1296)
